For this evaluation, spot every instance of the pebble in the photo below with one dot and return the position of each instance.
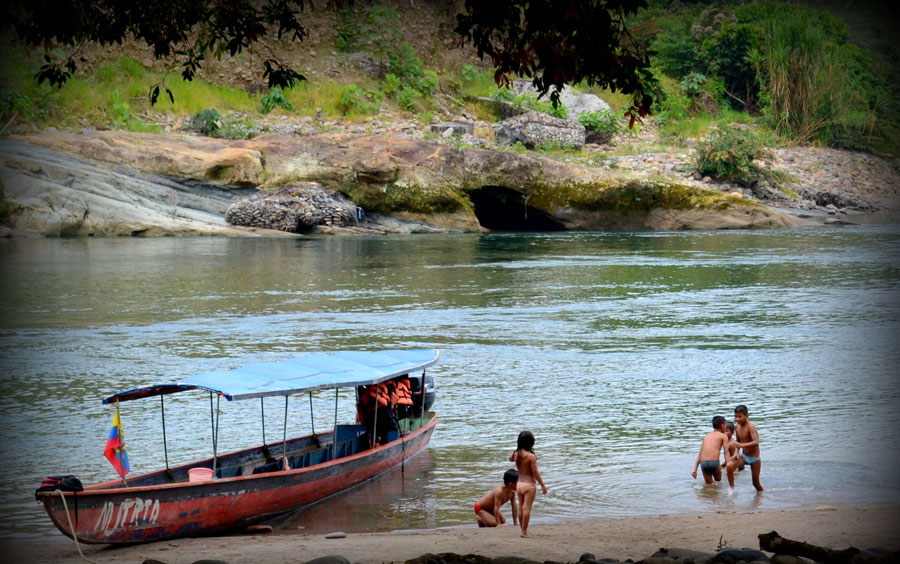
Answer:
(336, 535)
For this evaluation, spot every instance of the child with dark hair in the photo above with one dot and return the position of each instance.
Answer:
(732, 449)
(487, 510)
(529, 477)
(708, 459)
(748, 442)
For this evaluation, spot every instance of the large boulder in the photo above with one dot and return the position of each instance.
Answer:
(535, 129)
(576, 103)
(54, 194)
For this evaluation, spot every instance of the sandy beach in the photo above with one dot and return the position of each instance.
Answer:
(635, 538)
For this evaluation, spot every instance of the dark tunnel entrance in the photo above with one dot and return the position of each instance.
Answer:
(501, 209)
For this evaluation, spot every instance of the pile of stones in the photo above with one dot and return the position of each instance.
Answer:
(295, 208)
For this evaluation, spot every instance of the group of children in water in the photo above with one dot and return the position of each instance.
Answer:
(738, 453)
(522, 482)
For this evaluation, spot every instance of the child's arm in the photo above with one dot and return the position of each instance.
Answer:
(512, 457)
(498, 502)
(537, 475)
(512, 507)
(697, 462)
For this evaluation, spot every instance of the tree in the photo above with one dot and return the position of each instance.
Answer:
(556, 42)
(189, 30)
(559, 42)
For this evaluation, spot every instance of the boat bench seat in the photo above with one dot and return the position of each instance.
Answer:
(310, 458)
(229, 472)
(273, 466)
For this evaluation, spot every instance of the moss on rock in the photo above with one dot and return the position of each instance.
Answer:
(632, 196)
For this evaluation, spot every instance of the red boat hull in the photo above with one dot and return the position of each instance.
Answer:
(111, 514)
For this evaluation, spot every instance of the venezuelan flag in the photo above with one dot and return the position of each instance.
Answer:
(115, 450)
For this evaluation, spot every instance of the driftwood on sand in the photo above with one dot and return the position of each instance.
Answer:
(773, 542)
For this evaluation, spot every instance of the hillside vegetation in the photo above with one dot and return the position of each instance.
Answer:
(791, 73)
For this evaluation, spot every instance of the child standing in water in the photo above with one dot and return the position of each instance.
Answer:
(529, 477)
(748, 442)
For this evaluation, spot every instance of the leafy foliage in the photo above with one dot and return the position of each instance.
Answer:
(207, 122)
(356, 100)
(406, 79)
(811, 93)
(347, 39)
(187, 30)
(731, 154)
(211, 123)
(274, 98)
(604, 122)
(529, 101)
(559, 42)
(381, 32)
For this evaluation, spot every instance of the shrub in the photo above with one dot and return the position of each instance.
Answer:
(355, 100)
(810, 93)
(347, 39)
(206, 122)
(530, 101)
(730, 155)
(601, 126)
(275, 97)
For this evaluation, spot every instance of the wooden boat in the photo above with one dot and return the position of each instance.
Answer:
(250, 486)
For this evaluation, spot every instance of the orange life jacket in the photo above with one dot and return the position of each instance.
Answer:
(403, 394)
(382, 394)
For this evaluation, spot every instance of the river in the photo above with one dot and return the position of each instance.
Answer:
(615, 350)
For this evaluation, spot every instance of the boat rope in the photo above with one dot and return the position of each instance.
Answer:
(403, 452)
(72, 528)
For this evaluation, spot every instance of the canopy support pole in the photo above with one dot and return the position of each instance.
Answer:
(212, 423)
(284, 435)
(334, 427)
(216, 436)
(262, 410)
(312, 419)
(375, 420)
(422, 412)
(162, 407)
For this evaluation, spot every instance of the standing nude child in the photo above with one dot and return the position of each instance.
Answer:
(748, 442)
(487, 510)
(529, 477)
(708, 459)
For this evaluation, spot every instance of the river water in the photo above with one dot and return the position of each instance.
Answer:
(615, 350)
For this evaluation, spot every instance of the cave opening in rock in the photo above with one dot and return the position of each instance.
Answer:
(502, 209)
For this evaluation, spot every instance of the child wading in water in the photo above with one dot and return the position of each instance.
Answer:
(708, 459)
(529, 477)
(748, 442)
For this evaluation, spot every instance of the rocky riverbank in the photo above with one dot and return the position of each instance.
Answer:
(398, 178)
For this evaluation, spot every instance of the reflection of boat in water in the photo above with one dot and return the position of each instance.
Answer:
(396, 500)
(252, 485)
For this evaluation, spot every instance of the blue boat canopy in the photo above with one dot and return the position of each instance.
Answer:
(296, 375)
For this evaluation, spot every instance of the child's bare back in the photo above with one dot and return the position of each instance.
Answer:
(708, 458)
(487, 509)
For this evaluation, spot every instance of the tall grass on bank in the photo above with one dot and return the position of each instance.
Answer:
(808, 85)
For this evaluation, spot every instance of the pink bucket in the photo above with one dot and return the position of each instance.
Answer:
(200, 475)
